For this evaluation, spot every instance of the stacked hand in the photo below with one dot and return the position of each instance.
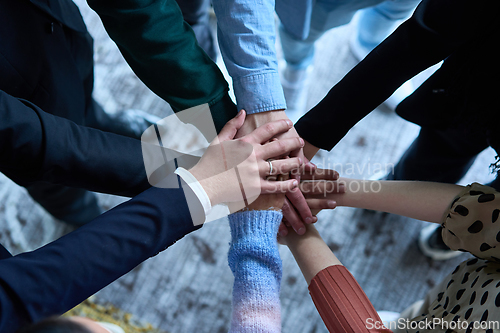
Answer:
(313, 194)
(296, 211)
(232, 170)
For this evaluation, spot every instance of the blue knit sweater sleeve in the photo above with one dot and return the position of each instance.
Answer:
(255, 262)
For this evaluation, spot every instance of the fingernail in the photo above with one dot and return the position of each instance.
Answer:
(295, 183)
(309, 220)
(301, 141)
(315, 219)
(239, 113)
(301, 230)
(332, 204)
(300, 161)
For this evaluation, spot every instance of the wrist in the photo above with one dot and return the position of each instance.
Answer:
(252, 121)
(262, 224)
(261, 118)
(311, 236)
(309, 150)
(208, 184)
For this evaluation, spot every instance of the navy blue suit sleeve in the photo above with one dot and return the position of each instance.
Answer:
(54, 278)
(37, 146)
(436, 29)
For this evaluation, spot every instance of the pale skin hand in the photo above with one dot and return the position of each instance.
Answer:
(211, 169)
(301, 212)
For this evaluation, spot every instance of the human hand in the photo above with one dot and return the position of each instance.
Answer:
(294, 199)
(314, 188)
(256, 120)
(296, 208)
(232, 167)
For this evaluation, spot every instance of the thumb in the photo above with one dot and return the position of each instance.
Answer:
(229, 130)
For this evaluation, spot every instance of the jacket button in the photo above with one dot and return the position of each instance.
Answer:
(50, 27)
(438, 91)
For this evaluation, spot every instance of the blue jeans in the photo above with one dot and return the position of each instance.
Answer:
(375, 24)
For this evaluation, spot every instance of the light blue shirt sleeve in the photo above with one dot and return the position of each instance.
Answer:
(247, 35)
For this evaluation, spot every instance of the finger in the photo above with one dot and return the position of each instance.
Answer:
(315, 212)
(298, 152)
(298, 201)
(280, 147)
(309, 166)
(319, 174)
(265, 132)
(321, 187)
(268, 186)
(231, 128)
(293, 218)
(283, 230)
(296, 174)
(315, 204)
(280, 166)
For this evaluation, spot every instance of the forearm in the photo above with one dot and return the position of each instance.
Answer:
(425, 201)
(254, 260)
(309, 150)
(383, 70)
(247, 36)
(340, 301)
(37, 146)
(310, 252)
(162, 50)
(55, 278)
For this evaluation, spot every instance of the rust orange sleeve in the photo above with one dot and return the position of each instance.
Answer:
(342, 304)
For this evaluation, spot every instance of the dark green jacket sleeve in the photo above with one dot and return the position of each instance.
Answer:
(162, 50)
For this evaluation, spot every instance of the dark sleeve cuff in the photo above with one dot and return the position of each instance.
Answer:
(222, 111)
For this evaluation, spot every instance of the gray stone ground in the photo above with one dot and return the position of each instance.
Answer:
(187, 288)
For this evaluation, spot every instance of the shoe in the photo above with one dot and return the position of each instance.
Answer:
(432, 245)
(360, 52)
(389, 318)
(130, 122)
(295, 87)
(111, 327)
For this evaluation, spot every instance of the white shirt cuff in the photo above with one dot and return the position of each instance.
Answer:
(196, 187)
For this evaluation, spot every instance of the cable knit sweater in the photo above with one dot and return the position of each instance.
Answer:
(255, 262)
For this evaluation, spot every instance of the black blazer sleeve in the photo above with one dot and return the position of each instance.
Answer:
(54, 278)
(436, 29)
(37, 146)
